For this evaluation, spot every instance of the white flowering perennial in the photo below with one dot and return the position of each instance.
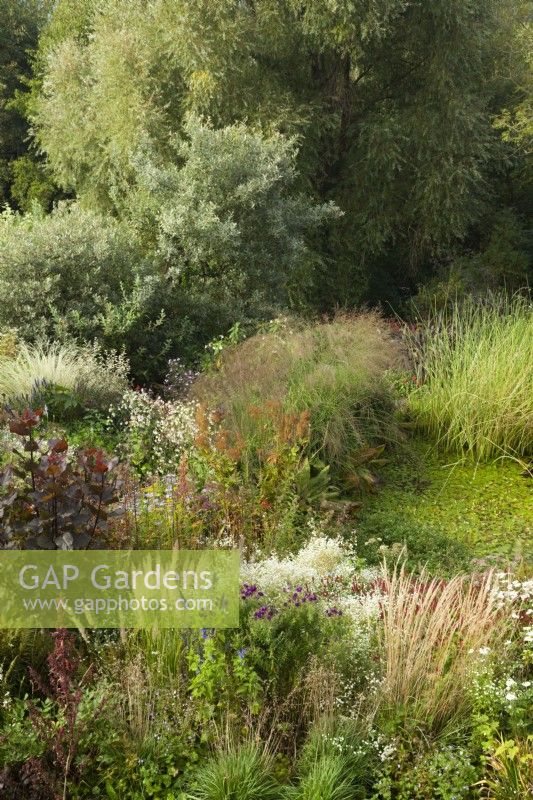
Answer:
(518, 595)
(504, 692)
(362, 608)
(326, 557)
(385, 749)
(326, 567)
(169, 427)
(321, 560)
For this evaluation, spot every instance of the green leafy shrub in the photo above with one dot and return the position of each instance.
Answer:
(229, 237)
(447, 773)
(476, 381)
(228, 212)
(58, 271)
(162, 318)
(335, 372)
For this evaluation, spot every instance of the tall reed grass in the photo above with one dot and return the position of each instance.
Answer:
(475, 371)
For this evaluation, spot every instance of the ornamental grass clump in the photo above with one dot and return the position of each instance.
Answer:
(431, 636)
(333, 371)
(38, 373)
(337, 762)
(326, 779)
(238, 773)
(475, 375)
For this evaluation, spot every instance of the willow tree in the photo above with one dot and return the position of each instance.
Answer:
(392, 103)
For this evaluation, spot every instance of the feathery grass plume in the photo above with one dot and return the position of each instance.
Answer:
(137, 698)
(56, 364)
(334, 371)
(430, 639)
(475, 373)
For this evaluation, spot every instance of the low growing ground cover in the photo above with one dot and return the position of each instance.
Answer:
(448, 513)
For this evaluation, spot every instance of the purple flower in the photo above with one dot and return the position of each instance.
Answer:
(265, 612)
(249, 590)
(242, 652)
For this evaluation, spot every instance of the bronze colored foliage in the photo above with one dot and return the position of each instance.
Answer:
(51, 500)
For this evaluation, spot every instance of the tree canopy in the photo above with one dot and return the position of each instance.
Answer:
(316, 153)
(392, 103)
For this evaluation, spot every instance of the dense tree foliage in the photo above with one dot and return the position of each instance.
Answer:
(393, 103)
(265, 153)
(216, 236)
(227, 211)
(23, 177)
